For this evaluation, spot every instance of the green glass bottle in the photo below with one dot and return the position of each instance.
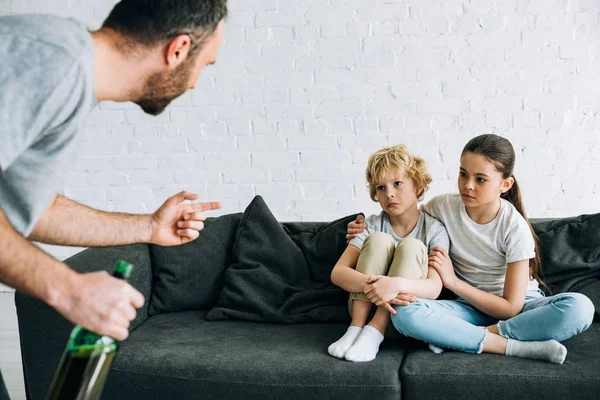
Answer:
(86, 361)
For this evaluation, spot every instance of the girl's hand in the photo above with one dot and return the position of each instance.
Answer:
(381, 289)
(440, 261)
(402, 299)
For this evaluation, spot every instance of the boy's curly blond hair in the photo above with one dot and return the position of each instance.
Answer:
(397, 157)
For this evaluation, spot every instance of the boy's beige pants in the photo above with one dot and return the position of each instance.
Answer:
(380, 256)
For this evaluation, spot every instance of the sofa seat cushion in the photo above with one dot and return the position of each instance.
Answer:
(455, 375)
(182, 356)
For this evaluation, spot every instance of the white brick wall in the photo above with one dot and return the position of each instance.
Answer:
(303, 92)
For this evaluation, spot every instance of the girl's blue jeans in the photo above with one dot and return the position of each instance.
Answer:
(455, 324)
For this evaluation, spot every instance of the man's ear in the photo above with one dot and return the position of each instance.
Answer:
(507, 184)
(177, 50)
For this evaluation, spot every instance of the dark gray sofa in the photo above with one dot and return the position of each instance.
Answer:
(174, 352)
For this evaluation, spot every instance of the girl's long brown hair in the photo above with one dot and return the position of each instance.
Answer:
(501, 153)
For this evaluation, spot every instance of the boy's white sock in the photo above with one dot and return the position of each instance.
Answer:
(435, 349)
(338, 349)
(366, 346)
(547, 350)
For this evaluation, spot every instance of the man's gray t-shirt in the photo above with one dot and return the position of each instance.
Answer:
(47, 86)
(428, 230)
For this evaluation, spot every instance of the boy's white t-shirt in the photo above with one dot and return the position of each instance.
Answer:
(428, 230)
(481, 252)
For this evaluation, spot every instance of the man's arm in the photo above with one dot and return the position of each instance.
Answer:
(96, 301)
(66, 222)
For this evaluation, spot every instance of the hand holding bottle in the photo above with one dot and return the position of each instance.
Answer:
(101, 304)
(86, 361)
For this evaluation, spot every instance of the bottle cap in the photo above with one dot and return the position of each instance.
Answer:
(124, 268)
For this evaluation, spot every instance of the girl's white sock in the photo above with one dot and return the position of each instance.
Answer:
(547, 350)
(435, 349)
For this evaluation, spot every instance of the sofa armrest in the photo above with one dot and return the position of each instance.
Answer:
(43, 332)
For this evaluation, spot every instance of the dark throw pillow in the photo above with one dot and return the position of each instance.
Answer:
(188, 277)
(570, 249)
(280, 272)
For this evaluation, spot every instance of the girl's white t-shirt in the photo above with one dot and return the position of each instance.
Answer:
(481, 252)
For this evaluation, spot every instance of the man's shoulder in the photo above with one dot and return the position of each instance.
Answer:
(43, 37)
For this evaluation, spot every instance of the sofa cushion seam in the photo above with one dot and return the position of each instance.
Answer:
(253, 383)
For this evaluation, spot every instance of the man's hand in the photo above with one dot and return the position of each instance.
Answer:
(176, 222)
(440, 261)
(101, 303)
(354, 227)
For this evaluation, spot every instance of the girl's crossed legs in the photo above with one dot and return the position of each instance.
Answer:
(534, 333)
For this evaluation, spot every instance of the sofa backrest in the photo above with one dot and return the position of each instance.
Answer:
(570, 250)
(189, 277)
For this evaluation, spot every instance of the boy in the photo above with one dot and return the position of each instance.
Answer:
(388, 263)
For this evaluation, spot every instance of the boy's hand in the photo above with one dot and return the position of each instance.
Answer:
(381, 289)
(354, 227)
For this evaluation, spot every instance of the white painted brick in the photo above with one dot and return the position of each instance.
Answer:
(333, 191)
(107, 178)
(247, 112)
(126, 194)
(315, 127)
(239, 127)
(132, 163)
(355, 141)
(245, 175)
(234, 191)
(201, 177)
(212, 144)
(177, 162)
(150, 177)
(289, 127)
(336, 80)
(262, 142)
(294, 80)
(158, 146)
(293, 111)
(220, 160)
(526, 120)
(312, 142)
(103, 147)
(317, 206)
(318, 158)
(86, 195)
(275, 159)
(285, 191)
(316, 94)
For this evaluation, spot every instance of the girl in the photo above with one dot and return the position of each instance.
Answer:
(493, 267)
(391, 257)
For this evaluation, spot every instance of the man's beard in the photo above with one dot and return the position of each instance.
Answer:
(163, 87)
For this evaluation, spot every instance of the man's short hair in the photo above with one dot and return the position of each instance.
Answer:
(150, 22)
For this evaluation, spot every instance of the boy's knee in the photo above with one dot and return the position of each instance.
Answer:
(380, 239)
(412, 243)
